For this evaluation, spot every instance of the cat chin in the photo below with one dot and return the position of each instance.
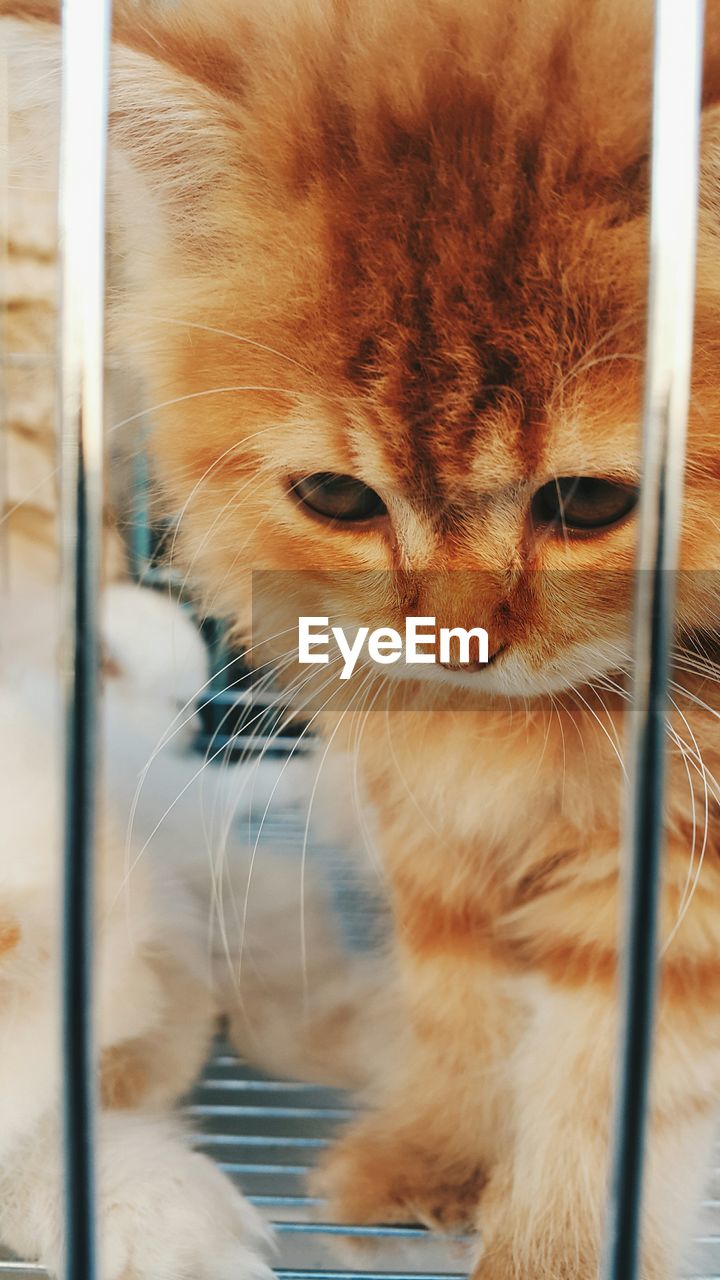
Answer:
(510, 676)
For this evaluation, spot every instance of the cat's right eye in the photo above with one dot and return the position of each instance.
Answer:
(338, 498)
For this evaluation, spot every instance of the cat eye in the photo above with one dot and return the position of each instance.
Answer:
(582, 503)
(337, 497)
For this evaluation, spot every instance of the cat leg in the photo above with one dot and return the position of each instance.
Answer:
(543, 1211)
(424, 1155)
(159, 1066)
(164, 1212)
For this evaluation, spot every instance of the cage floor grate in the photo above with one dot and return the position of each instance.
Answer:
(265, 1134)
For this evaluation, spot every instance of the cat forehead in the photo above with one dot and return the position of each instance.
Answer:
(437, 465)
(503, 458)
(462, 297)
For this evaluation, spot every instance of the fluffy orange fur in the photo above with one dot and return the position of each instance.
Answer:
(407, 242)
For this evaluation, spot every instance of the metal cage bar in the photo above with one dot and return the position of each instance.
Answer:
(677, 80)
(83, 149)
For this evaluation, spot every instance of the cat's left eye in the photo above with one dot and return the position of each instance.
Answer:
(583, 503)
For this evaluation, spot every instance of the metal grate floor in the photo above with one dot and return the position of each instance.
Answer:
(265, 1134)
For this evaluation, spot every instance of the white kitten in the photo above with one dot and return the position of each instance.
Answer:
(165, 1212)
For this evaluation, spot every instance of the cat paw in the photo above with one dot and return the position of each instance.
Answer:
(175, 1215)
(372, 1178)
(164, 1211)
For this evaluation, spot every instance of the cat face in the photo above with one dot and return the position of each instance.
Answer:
(391, 272)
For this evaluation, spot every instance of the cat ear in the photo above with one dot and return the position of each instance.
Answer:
(175, 87)
(205, 46)
(710, 130)
(174, 132)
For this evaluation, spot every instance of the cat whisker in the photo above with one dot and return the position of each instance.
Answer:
(239, 552)
(312, 678)
(236, 337)
(587, 364)
(172, 730)
(554, 708)
(217, 861)
(174, 727)
(199, 395)
(224, 509)
(357, 802)
(615, 744)
(206, 762)
(400, 773)
(235, 966)
(699, 765)
(274, 669)
(689, 878)
(580, 365)
(218, 854)
(292, 713)
(548, 726)
(306, 833)
(226, 764)
(232, 450)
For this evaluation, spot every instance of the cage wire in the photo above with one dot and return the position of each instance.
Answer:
(265, 1133)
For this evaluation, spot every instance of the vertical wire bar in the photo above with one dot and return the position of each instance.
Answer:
(673, 233)
(83, 149)
(140, 536)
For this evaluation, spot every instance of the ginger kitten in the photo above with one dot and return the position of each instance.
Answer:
(383, 266)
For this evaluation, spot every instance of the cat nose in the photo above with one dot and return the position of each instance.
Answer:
(475, 665)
